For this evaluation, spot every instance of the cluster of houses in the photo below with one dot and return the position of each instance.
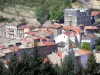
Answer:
(54, 41)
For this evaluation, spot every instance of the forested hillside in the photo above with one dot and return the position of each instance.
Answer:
(43, 9)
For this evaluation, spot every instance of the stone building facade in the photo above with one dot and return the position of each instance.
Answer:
(77, 16)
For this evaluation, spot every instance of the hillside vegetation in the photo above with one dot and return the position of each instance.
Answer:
(42, 10)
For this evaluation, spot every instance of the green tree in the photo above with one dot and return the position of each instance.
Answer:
(98, 48)
(70, 66)
(97, 41)
(42, 14)
(86, 46)
(1, 68)
(2, 5)
(52, 8)
(27, 64)
(91, 67)
(57, 9)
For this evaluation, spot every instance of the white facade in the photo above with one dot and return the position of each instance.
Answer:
(64, 38)
(11, 31)
(85, 40)
(61, 38)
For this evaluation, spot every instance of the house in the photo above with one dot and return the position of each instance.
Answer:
(44, 32)
(31, 33)
(64, 41)
(82, 56)
(11, 30)
(21, 30)
(90, 40)
(95, 15)
(38, 38)
(56, 28)
(25, 42)
(74, 31)
(91, 29)
(46, 48)
(97, 55)
(77, 16)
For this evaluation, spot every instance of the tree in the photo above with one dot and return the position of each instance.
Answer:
(1, 68)
(29, 64)
(56, 9)
(91, 67)
(86, 46)
(97, 41)
(98, 48)
(2, 5)
(70, 65)
(42, 14)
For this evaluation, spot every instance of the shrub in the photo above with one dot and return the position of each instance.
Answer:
(85, 46)
(98, 48)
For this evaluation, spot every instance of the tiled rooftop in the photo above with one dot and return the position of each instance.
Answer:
(77, 30)
(25, 41)
(95, 13)
(83, 52)
(24, 26)
(46, 31)
(91, 27)
(47, 43)
(55, 26)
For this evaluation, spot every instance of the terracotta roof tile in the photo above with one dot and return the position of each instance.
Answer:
(83, 52)
(60, 54)
(91, 27)
(55, 26)
(95, 13)
(74, 45)
(77, 30)
(25, 41)
(46, 31)
(47, 43)
(40, 44)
